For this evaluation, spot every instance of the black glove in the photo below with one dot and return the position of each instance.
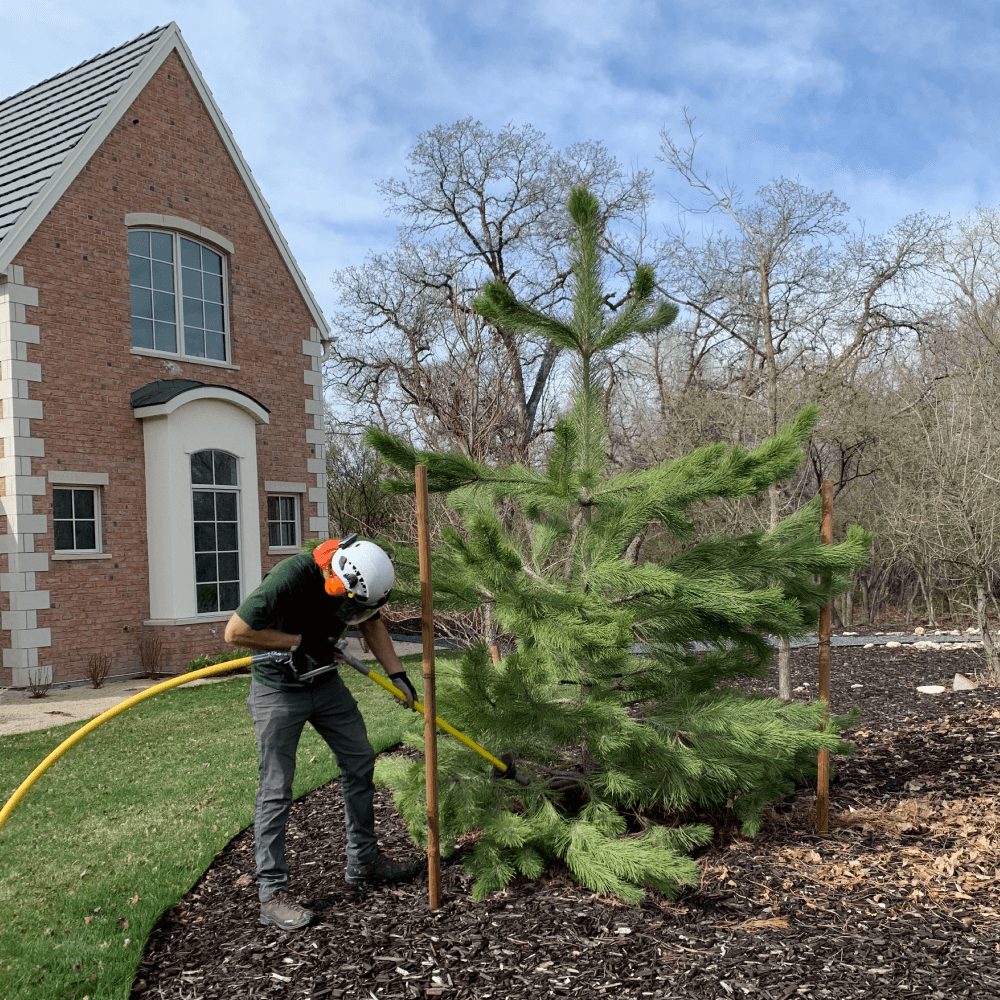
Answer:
(313, 652)
(406, 686)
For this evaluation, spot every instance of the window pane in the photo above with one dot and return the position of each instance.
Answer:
(211, 261)
(287, 508)
(191, 282)
(215, 346)
(225, 469)
(229, 596)
(166, 337)
(142, 303)
(190, 254)
(226, 535)
(162, 246)
(64, 534)
(163, 306)
(163, 276)
(288, 533)
(208, 599)
(83, 504)
(142, 333)
(138, 242)
(138, 271)
(273, 533)
(273, 508)
(204, 537)
(201, 471)
(229, 566)
(193, 314)
(85, 535)
(213, 316)
(204, 506)
(204, 567)
(62, 504)
(225, 504)
(194, 343)
(213, 287)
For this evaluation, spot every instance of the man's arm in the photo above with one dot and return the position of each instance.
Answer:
(377, 636)
(240, 634)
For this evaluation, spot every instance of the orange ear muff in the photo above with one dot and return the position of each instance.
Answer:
(323, 554)
(335, 586)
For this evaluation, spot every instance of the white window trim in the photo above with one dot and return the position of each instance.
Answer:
(98, 551)
(175, 234)
(293, 495)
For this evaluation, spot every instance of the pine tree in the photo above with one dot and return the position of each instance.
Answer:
(553, 552)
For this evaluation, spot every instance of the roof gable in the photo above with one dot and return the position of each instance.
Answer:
(48, 133)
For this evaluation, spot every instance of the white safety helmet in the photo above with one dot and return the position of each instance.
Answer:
(361, 574)
(365, 571)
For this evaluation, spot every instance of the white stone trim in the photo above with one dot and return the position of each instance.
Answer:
(21, 655)
(63, 477)
(271, 486)
(186, 358)
(142, 219)
(314, 350)
(73, 556)
(218, 616)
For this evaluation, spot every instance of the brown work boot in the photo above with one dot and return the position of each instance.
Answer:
(282, 910)
(383, 872)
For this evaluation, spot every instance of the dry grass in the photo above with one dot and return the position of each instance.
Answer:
(151, 656)
(98, 668)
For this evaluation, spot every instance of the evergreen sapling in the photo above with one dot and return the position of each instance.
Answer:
(554, 554)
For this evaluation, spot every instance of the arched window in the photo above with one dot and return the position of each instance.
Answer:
(193, 325)
(216, 504)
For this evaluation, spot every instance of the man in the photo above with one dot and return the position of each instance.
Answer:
(303, 606)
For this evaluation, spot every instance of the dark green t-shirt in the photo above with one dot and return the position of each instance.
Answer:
(292, 599)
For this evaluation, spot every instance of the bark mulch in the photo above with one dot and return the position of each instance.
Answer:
(902, 898)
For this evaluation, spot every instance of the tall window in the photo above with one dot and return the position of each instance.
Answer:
(216, 531)
(76, 520)
(159, 264)
(283, 522)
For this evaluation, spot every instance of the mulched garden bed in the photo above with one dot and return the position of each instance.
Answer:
(902, 898)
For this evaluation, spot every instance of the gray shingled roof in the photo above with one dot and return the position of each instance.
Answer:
(41, 125)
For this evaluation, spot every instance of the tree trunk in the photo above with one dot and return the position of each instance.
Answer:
(989, 643)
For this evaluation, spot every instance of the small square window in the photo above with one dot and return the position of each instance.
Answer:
(76, 519)
(283, 522)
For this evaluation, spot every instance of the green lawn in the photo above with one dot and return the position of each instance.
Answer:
(125, 823)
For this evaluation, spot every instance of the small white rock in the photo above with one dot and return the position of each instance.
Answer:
(857, 685)
(893, 645)
(938, 631)
(931, 689)
(963, 683)
(623, 930)
(919, 630)
(868, 645)
(972, 630)
(848, 633)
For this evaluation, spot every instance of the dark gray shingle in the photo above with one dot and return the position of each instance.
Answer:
(40, 126)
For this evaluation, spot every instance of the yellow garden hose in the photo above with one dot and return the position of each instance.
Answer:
(503, 767)
(194, 675)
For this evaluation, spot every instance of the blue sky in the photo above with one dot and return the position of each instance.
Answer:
(893, 107)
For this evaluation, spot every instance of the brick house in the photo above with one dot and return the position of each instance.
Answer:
(162, 414)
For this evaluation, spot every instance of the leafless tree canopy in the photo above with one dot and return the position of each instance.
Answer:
(476, 206)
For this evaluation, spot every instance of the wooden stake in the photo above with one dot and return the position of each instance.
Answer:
(430, 697)
(823, 760)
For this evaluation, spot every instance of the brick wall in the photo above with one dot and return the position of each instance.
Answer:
(165, 157)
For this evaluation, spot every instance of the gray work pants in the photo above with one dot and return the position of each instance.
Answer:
(278, 718)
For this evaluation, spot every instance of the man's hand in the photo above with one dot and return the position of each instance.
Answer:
(313, 652)
(404, 684)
